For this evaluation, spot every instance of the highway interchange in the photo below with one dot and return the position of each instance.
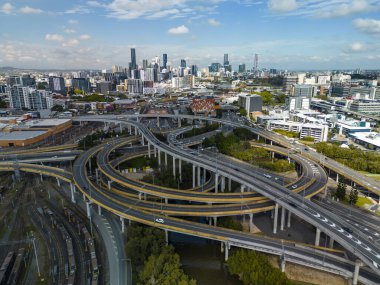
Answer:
(264, 195)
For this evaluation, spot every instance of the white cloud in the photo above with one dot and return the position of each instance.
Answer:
(7, 8)
(72, 21)
(323, 8)
(369, 26)
(71, 43)
(155, 9)
(281, 6)
(84, 37)
(357, 47)
(54, 37)
(78, 10)
(30, 10)
(178, 30)
(213, 22)
(70, 31)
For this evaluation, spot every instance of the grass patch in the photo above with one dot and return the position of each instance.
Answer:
(363, 201)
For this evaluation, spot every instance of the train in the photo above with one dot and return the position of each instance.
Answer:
(70, 252)
(89, 243)
(15, 273)
(91, 249)
(6, 267)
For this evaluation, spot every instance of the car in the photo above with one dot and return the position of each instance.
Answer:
(294, 186)
(159, 220)
(267, 176)
(306, 149)
(293, 205)
(347, 229)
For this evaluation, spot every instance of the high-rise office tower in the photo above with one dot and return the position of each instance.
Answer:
(183, 63)
(194, 70)
(133, 59)
(242, 68)
(57, 84)
(226, 62)
(165, 60)
(145, 64)
(256, 62)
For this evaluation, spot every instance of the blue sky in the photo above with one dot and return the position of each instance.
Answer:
(287, 34)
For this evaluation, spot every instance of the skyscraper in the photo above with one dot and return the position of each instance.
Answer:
(57, 84)
(165, 60)
(256, 62)
(183, 63)
(226, 62)
(133, 59)
(242, 68)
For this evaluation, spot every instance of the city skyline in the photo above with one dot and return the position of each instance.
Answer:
(98, 34)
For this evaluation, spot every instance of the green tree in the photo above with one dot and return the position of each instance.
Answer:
(57, 108)
(255, 269)
(353, 197)
(341, 191)
(3, 104)
(164, 269)
(42, 85)
(142, 242)
(243, 112)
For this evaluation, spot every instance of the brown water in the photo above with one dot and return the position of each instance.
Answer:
(202, 260)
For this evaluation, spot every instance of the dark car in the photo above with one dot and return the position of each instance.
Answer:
(347, 230)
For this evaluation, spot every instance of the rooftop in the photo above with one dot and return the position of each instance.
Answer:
(20, 135)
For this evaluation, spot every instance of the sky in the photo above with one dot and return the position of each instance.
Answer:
(286, 34)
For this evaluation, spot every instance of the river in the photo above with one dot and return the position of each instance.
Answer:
(202, 260)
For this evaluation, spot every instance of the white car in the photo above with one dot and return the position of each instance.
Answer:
(161, 221)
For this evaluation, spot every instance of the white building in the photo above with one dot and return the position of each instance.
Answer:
(318, 132)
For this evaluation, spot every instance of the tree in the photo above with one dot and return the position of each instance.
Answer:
(254, 269)
(41, 85)
(341, 191)
(353, 197)
(57, 108)
(165, 269)
(243, 112)
(3, 104)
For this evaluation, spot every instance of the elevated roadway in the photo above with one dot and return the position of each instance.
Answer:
(324, 220)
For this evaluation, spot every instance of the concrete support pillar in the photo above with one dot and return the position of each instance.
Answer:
(223, 184)
(283, 262)
(148, 149)
(194, 169)
(209, 221)
(251, 223)
(58, 182)
(140, 194)
(242, 188)
(130, 129)
(358, 263)
(109, 184)
(215, 221)
(155, 151)
(122, 224)
(145, 195)
(84, 197)
(216, 182)
(88, 209)
(222, 247)
(204, 175)
(199, 176)
(97, 175)
(229, 184)
(180, 169)
(166, 159)
(226, 252)
(283, 213)
(337, 178)
(173, 166)
(275, 219)
(166, 236)
(166, 200)
(317, 237)
(120, 128)
(41, 177)
(159, 158)
(72, 189)
(158, 122)
(136, 131)
(331, 242)
(289, 218)
(99, 210)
